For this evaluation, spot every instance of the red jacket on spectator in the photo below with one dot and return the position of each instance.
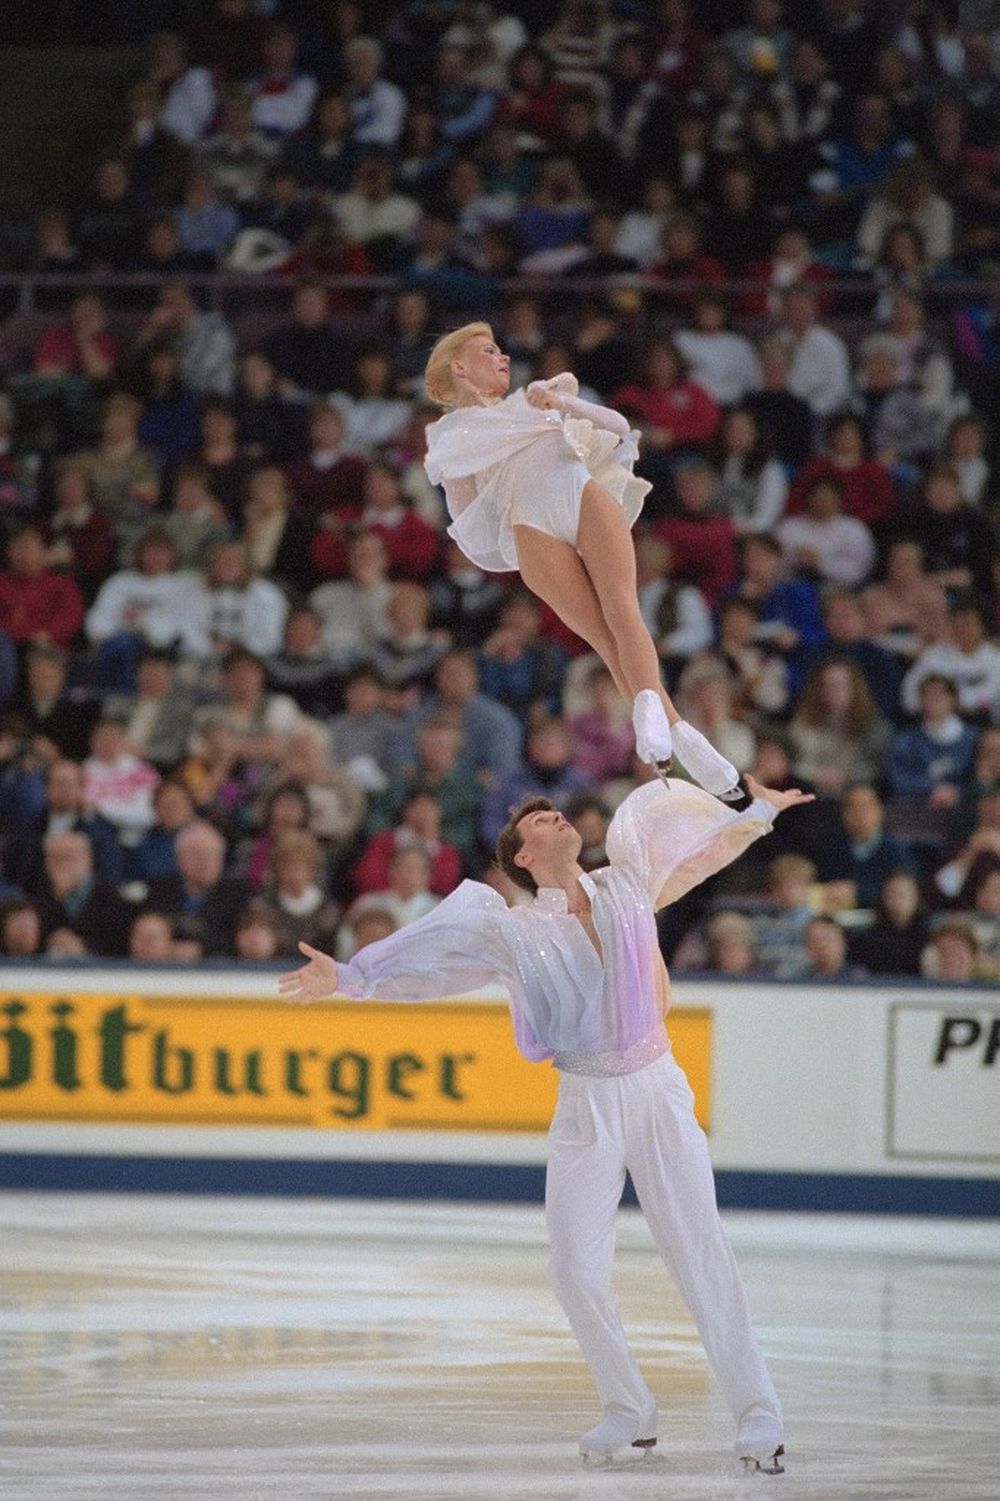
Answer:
(315, 491)
(372, 871)
(686, 410)
(869, 494)
(48, 605)
(703, 549)
(411, 543)
(696, 268)
(59, 350)
(757, 304)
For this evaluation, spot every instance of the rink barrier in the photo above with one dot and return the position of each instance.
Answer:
(824, 1097)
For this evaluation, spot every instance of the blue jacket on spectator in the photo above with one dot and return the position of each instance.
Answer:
(915, 763)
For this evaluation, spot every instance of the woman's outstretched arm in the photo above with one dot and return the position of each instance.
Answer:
(542, 396)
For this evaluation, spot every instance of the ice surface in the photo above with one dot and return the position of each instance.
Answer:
(155, 1348)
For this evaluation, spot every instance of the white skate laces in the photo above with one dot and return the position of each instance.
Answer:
(619, 1432)
(703, 762)
(653, 742)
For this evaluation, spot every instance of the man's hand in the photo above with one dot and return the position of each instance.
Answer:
(780, 800)
(313, 981)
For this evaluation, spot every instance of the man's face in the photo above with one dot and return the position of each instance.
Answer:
(68, 862)
(863, 813)
(547, 838)
(200, 860)
(456, 679)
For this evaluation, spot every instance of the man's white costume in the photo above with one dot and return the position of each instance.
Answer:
(624, 1103)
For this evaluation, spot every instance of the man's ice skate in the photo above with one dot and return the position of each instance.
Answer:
(769, 1464)
(618, 1434)
(653, 743)
(704, 764)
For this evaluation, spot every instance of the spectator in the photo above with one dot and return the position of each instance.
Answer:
(436, 768)
(412, 545)
(80, 346)
(406, 657)
(64, 809)
(256, 936)
(159, 714)
(282, 95)
(894, 942)
(323, 156)
(858, 162)
(420, 828)
(675, 412)
(203, 342)
(897, 424)
(791, 263)
(552, 221)
(161, 252)
(363, 735)
(117, 783)
(731, 945)
(155, 854)
(377, 106)
(465, 601)
(702, 541)
(760, 676)
(958, 879)
(373, 214)
(205, 222)
(602, 737)
(788, 609)
(823, 544)
(784, 419)
(907, 197)
(219, 455)
(154, 160)
(908, 609)
(874, 855)
(848, 640)
(837, 732)
(676, 615)
(151, 939)
(867, 489)
(967, 658)
(236, 156)
(270, 426)
(548, 771)
(931, 759)
(187, 92)
(742, 220)
(36, 603)
(276, 537)
(352, 612)
(827, 951)
(328, 484)
(955, 537)
(779, 932)
(285, 807)
(81, 537)
(723, 363)
(235, 608)
(169, 424)
(261, 721)
(310, 354)
(336, 800)
(300, 908)
(150, 604)
(965, 450)
(108, 226)
(707, 691)
(820, 373)
(20, 929)
(407, 895)
(953, 956)
(123, 476)
(69, 896)
(302, 667)
(491, 734)
(58, 720)
(683, 258)
(751, 486)
(196, 521)
(531, 100)
(201, 902)
(518, 665)
(375, 415)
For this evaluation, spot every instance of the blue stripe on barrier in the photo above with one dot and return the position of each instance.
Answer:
(497, 1182)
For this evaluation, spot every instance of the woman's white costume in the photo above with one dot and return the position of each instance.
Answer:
(511, 464)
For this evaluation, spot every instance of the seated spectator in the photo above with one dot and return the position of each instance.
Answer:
(518, 665)
(155, 854)
(406, 656)
(377, 106)
(69, 896)
(958, 879)
(823, 544)
(967, 658)
(412, 544)
(237, 609)
(847, 639)
(298, 904)
(329, 482)
(371, 213)
(820, 373)
(674, 411)
(866, 486)
(336, 799)
(722, 362)
(791, 263)
(873, 854)
(827, 951)
(760, 676)
(236, 155)
(374, 413)
(162, 251)
(57, 720)
(36, 603)
(898, 427)
(908, 610)
(196, 521)
(985, 917)
(286, 807)
(436, 769)
(922, 361)
(907, 197)
(953, 956)
(261, 721)
(55, 248)
(785, 420)
(956, 538)
(117, 783)
(548, 771)
(420, 827)
(226, 468)
(282, 94)
(751, 486)
(169, 425)
(203, 342)
(309, 354)
(149, 604)
(731, 948)
(18, 464)
(301, 667)
(701, 539)
(362, 736)
(202, 903)
(151, 940)
(20, 929)
(159, 714)
(530, 102)
(154, 161)
(80, 346)
(465, 601)
(81, 538)
(602, 737)
(640, 229)
(270, 427)
(205, 222)
(552, 221)
(491, 735)
(788, 610)
(837, 733)
(123, 476)
(707, 691)
(894, 942)
(682, 258)
(186, 91)
(591, 818)
(256, 936)
(64, 809)
(107, 225)
(352, 611)
(323, 155)
(676, 615)
(965, 450)
(779, 932)
(276, 536)
(932, 759)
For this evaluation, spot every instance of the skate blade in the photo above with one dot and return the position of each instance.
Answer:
(640, 1451)
(663, 770)
(753, 1466)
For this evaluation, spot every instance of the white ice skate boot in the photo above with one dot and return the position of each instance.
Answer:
(766, 1464)
(759, 1447)
(619, 1431)
(702, 761)
(653, 743)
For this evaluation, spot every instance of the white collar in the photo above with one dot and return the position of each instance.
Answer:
(553, 899)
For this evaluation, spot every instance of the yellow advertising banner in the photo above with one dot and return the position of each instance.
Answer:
(197, 1060)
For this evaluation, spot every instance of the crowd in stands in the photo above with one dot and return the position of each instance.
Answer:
(251, 693)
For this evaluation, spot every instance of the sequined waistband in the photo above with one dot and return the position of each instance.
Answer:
(607, 1065)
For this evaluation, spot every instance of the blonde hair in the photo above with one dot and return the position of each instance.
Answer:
(438, 379)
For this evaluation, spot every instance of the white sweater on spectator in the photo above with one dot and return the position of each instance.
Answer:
(378, 114)
(693, 631)
(821, 371)
(121, 791)
(845, 551)
(162, 610)
(726, 364)
(190, 105)
(976, 676)
(253, 617)
(354, 617)
(282, 108)
(360, 219)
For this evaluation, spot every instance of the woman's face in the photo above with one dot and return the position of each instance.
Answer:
(846, 446)
(381, 488)
(484, 366)
(661, 367)
(900, 899)
(740, 432)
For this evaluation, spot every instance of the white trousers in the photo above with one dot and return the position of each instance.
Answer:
(644, 1122)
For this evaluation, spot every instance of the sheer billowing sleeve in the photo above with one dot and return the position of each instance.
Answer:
(458, 494)
(675, 836)
(458, 947)
(589, 411)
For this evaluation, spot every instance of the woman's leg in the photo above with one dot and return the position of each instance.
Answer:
(553, 570)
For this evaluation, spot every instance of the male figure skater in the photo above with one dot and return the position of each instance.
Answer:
(588, 989)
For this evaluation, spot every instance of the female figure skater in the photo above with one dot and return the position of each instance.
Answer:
(541, 481)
